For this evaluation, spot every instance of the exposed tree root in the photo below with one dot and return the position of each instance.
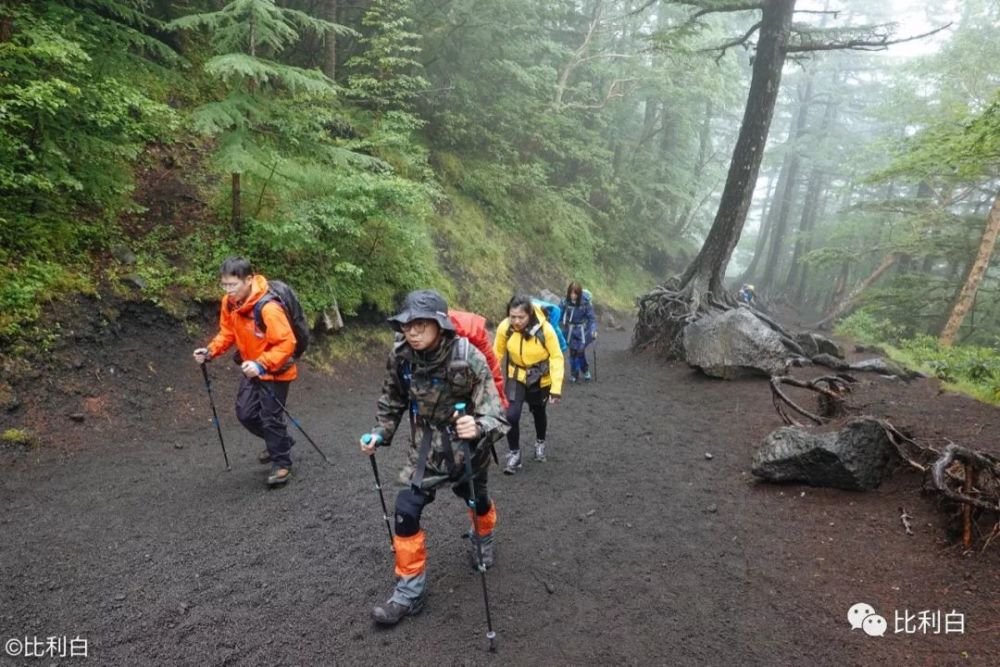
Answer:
(665, 310)
(831, 390)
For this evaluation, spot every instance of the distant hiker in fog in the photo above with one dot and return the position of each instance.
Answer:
(746, 294)
(579, 326)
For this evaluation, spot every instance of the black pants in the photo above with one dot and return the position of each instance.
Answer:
(410, 503)
(536, 398)
(261, 415)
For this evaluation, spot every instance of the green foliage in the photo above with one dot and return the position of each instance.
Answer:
(970, 369)
(866, 327)
(18, 437)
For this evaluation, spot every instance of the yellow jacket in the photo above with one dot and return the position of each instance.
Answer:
(526, 351)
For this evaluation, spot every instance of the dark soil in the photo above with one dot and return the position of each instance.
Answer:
(629, 546)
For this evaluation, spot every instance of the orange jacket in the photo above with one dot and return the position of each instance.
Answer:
(473, 327)
(271, 349)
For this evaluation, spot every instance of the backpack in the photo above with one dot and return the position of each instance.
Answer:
(553, 314)
(289, 301)
(458, 364)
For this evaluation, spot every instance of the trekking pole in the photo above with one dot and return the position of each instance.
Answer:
(490, 634)
(367, 438)
(215, 416)
(293, 419)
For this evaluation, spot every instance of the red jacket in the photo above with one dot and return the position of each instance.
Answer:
(271, 349)
(473, 327)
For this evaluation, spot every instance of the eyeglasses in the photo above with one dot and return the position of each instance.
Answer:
(416, 326)
(230, 287)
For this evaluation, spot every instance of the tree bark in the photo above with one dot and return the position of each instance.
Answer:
(705, 274)
(975, 277)
(330, 44)
(236, 217)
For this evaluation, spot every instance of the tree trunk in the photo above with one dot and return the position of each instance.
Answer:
(975, 277)
(787, 197)
(803, 240)
(767, 222)
(706, 272)
(330, 45)
(236, 221)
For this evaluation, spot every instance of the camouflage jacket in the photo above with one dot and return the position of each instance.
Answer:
(430, 384)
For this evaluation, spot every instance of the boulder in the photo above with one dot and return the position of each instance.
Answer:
(884, 366)
(813, 344)
(830, 361)
(733, 344)
(855, 458)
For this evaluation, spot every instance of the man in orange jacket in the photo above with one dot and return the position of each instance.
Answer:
(266, 359)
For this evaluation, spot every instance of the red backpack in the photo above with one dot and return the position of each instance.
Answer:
(473, 327)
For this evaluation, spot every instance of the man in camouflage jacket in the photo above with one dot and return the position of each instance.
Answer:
(430, 371)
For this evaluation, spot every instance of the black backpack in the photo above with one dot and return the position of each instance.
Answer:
(285, 295)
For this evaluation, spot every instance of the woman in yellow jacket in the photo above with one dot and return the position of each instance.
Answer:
(534, 372)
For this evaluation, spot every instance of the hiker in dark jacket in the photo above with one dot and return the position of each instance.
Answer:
(266, 358)
(430, 371)
(579, 326)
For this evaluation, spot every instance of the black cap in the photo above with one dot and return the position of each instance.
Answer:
(425, 304)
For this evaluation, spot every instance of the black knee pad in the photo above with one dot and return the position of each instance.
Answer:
(409, 505)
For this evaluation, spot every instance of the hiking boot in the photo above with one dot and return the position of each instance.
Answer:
(574, 378)
(391, 612)
(513, 462)
(540, 451)
(279, 475)
(487, 545)
(264, 456)
(587, 376)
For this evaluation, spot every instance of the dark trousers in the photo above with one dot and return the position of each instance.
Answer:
(536, 398)
(261, 415)
(410, 503)
(578, 361)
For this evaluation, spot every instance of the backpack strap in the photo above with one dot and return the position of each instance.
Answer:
(258, 317)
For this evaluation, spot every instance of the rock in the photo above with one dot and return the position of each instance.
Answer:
(831, 362)
(813, 344)
(120, 597)
(331, 320)
(78, 416)
(327, 516)
(178, 445)
(123, 255)
(550, 588)
(880, 365)
(8, 398)
(854, 458)
(712, 509)
(135, 280)
(734, 344)
(869, 349)
(807, 343)
(708, 455)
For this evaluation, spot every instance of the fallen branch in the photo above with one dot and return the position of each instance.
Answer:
(905, 519)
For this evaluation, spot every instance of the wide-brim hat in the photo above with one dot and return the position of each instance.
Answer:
(424, 304)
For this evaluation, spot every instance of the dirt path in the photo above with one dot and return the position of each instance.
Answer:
(628, 547)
